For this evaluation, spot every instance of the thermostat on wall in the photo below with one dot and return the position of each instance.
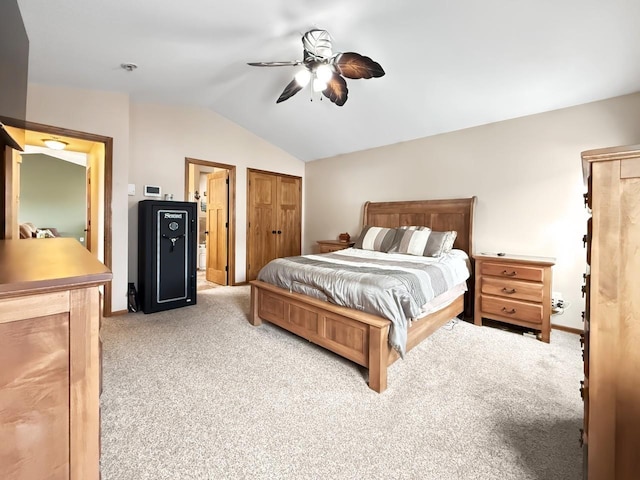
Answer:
(152, 191)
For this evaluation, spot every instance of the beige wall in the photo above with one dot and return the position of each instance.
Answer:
(163, 136)
(525, 172)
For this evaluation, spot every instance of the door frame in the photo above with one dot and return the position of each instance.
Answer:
(231, 240)
(108, 187)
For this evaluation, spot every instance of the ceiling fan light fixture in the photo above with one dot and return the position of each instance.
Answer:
(324, 73)
(303, 77)
(328, 70)
(55, 144)
(319, 85)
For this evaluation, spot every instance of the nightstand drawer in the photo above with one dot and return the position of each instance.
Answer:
(513, 270)
(328, 246)
(331, 248)
(512, 309)
(532, 292)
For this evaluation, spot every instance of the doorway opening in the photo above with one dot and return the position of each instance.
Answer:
(212, 186)
(98, 180)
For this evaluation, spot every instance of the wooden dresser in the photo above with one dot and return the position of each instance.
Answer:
(49, 358)
(328, 246)
(611, 339)
(514, 289)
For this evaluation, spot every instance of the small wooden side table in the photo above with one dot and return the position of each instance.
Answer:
(327, 246)
(514, 289)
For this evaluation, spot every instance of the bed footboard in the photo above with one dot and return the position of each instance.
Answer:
(358, 336)
(361, 337)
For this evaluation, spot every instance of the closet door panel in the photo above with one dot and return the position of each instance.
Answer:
(262, 218)
(289, 218)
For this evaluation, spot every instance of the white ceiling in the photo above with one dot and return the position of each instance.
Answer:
(449, 65)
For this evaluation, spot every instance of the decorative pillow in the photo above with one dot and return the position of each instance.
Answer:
(379, 239)
(27, 230)
(44, 233)
(411, 241)
(400, 231)
(440, 243)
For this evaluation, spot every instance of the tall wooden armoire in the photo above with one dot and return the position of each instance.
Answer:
(611, 339)
(274, 218)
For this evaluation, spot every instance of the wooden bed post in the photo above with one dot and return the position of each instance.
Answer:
(378, 357)
(254, 318)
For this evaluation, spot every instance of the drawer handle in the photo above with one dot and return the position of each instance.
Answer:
(509, 274)
(510, 312)
(508, 290)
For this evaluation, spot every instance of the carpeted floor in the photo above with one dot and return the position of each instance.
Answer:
(199, 393)
(202, 283)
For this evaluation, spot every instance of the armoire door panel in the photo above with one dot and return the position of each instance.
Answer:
(34, 398)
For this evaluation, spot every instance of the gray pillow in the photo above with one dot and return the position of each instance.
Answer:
(410, 240)
(379, 239)
(440, 243)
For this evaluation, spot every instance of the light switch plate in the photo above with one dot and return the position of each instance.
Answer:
(131, 189)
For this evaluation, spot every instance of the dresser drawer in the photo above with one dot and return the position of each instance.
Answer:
(532, 292)
(513, 270)
(512, 309)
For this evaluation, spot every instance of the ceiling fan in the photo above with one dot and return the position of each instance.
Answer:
(325, 69)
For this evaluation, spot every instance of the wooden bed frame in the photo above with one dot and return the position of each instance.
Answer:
(356, 335)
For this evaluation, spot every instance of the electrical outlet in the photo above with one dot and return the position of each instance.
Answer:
(557, 300)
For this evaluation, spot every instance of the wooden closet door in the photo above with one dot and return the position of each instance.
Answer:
(288, 239)
(274, 218)
(262, 220)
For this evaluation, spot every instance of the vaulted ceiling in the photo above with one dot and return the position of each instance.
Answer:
(449, 65)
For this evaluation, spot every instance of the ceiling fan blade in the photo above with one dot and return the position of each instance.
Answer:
(289, 91)
(292, 63)
(336, 90)
(354, 65)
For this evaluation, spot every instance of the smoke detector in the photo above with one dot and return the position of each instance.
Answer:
(129, 67)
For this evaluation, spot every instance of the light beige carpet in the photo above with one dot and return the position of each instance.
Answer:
(199, 393)
(202, 283)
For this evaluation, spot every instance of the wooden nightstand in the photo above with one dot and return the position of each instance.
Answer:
(327, 246)
(515, 289)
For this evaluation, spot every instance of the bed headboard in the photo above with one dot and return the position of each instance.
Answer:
(440, 215)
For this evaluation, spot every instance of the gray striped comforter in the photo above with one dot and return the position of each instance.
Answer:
(393, 286)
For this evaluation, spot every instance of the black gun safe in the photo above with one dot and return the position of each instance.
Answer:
(167, 251)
